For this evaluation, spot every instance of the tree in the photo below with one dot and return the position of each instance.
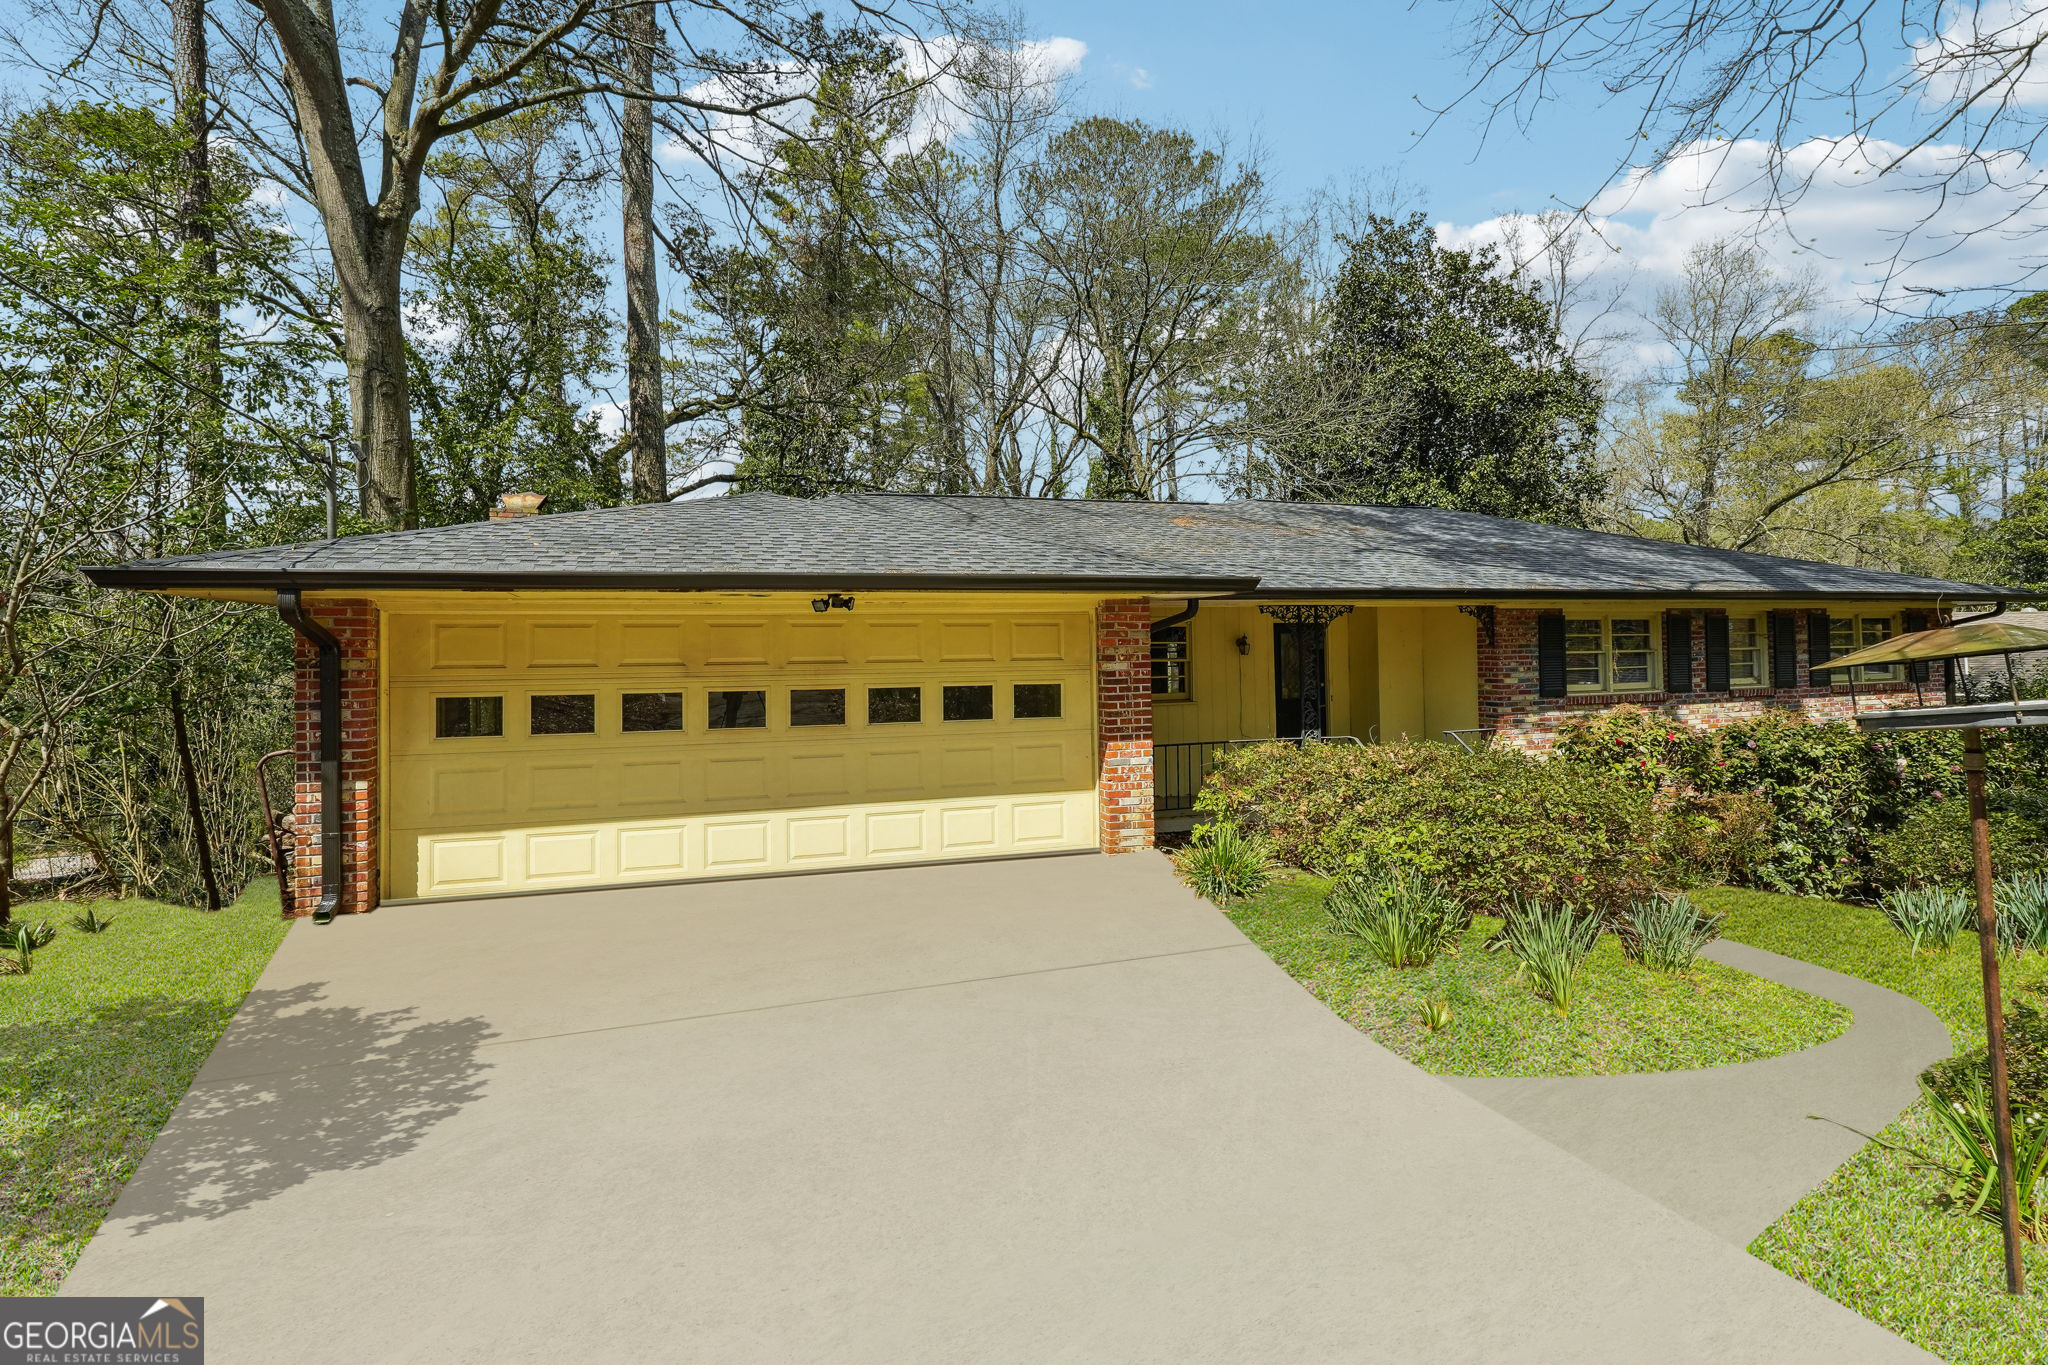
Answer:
(1153, 249)
(2013, 549)
(1945, 94)
(458, 71)
(646, 425)
(111, 352)
(1442, 382)
(807, 311)
(1762, 438)
(511, 330)
(966, 254)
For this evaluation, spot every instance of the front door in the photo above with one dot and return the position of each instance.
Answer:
(1299, 690)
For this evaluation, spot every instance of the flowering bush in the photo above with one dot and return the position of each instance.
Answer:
(1488, 826)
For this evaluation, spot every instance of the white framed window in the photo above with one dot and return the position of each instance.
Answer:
(1749, 661)
(1854, 632)
(1170, 672)
(1610, 654)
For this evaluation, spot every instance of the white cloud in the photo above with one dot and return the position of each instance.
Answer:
(1141, 79)
(1975, 49)
(1875, 242)
(933, 62)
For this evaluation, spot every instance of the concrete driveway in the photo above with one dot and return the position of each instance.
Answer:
(1042, 1110)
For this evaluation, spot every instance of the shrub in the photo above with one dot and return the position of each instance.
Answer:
(1403, 919)
(1712, 838)
(2026, 1064)
(1549, 940)
(1972, 1169)
(1486, 825)
(21, 933)
(1932, 848)
(1828, 788)
(2022, 904)
(1667, 932)
(1223, 863)
(1928, 916)
(92, 922)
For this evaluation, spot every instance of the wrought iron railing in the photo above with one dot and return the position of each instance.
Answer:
(1178, 770)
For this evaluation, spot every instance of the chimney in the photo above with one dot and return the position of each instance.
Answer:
(512, 505)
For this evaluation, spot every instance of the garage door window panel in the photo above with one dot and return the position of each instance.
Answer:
(735, 709)
(563, 713)
(1035, 701)
(817, 706)
(971, 701)
(643, 712)
(468, 717)
(895, 705)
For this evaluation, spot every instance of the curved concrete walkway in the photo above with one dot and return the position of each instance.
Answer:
(1731, 1147)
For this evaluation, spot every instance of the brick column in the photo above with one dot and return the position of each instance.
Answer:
(354, 623)
(1123, 723)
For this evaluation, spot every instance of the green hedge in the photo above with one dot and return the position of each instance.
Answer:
(1488, 825)
(1830, 789)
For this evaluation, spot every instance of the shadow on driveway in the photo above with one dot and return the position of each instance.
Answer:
(345, 1089)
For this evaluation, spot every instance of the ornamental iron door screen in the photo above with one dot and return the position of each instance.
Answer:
(1300, 681)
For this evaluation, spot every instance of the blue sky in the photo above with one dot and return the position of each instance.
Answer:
(1329, 89)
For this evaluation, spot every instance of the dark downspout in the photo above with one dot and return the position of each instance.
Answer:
(1194, 605)
(294, 615)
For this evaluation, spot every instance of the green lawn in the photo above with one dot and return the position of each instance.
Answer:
(97, 1045)
(1628, 1017)
(1873, 1238)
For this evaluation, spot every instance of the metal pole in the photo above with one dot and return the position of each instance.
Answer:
(1994, 1005)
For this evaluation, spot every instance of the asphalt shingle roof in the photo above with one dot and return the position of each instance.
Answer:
(881, 540)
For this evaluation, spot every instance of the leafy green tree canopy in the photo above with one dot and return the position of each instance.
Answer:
(1443, 382)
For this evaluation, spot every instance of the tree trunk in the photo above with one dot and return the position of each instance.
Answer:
(206, 456)
(188, 778)
(644, 408)
(6, 868)
(380, 400)
(365, 241)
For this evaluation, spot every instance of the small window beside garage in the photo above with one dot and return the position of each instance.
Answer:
(1035, 701)
(970, 701)
(895, 705)
(738, 710)
(817, 706)
(468, 717)
(643, 711)
(569, 713)
(1170, 663)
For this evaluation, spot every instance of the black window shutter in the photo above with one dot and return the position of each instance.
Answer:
(1819, 644)
(1784, 649)
(1678, 651)
(1550, 654)
(1919, 670)
(1717, 651)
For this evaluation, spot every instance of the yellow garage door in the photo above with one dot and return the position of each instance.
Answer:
(533, 751)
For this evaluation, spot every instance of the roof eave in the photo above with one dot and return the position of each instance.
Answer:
(154, 578)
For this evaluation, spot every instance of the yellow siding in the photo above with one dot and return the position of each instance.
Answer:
(1231, 694)
(522, 811)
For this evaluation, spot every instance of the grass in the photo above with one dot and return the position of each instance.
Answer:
(1625, 1017)
(97, 1046)
(1873, 1237)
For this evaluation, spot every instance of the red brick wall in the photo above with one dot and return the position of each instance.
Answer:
(1123, 723)
(354, 623)
(1510, 708)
